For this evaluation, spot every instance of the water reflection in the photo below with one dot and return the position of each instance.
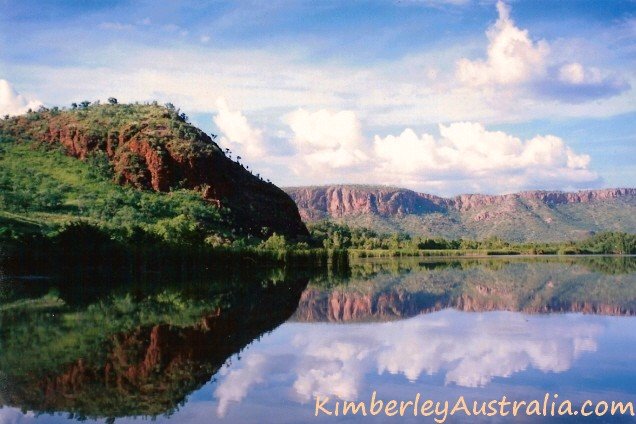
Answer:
(135, 352)
(464, 350)
(213, 348)
(387, 290)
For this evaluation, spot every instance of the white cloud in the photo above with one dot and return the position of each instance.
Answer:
(515, 61)
(13, 103)
(204, 39)
(573, 73)
(574, 83)
(467, 154)
(327, 139)
(518, 79)
(329, 146)
(513, 57)
(237, 132)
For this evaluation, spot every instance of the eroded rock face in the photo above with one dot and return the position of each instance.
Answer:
(150, 151)
(337, 201)
(526, 216)
(471, 201)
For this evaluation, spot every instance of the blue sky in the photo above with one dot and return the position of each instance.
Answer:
(442, 96)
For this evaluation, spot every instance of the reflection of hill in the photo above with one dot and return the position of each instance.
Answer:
(393, 290)
(162, 348)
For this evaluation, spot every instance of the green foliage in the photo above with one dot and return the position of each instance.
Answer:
(274, 242)
(179, 229)
(100, 166)
(611, 243)
(48, 187)
(364, 242)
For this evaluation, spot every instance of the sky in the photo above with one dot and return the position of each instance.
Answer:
(439, 96)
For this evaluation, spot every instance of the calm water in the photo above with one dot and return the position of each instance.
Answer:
(258, 347)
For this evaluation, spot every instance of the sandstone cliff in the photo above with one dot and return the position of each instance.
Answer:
(530, 215)
(154, 148)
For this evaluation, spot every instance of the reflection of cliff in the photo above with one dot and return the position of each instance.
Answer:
(151, 369)
(340, 305)
(529, 287)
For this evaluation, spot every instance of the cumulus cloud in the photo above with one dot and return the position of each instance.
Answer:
(13, 103)
(327, 139)
(238, 133)
(467, 154)
(513, 59)
(464, 157)
(574, 83)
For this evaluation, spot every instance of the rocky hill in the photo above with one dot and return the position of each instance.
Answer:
(152, 147)
(531, 215)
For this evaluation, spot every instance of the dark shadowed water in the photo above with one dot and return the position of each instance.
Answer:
(260, 346)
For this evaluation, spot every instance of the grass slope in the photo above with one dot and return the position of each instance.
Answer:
(41, 189)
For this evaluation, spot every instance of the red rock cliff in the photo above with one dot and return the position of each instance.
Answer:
(152, 147)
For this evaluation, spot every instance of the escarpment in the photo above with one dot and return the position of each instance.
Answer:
(152, 147)
(526, 216)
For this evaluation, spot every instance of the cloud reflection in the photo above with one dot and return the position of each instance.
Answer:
(469, 350)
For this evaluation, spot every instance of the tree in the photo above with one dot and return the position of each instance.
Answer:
(179, 230)
(274, 242)
(112, 100)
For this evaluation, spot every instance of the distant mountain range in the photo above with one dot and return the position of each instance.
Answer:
(525, 216)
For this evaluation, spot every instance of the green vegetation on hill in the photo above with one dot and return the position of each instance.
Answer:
(142, 164)
(56, 209)
(77, 180)
(41, 189)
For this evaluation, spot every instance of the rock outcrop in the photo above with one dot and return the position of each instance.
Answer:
(530, 215)
(154, 148)
(337, 201)
(466, 202)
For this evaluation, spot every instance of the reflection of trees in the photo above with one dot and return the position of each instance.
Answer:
(380, 290)
(135, 352)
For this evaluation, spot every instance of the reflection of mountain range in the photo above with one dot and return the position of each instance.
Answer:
(122, 350)
(148, 370)
(524, 286)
